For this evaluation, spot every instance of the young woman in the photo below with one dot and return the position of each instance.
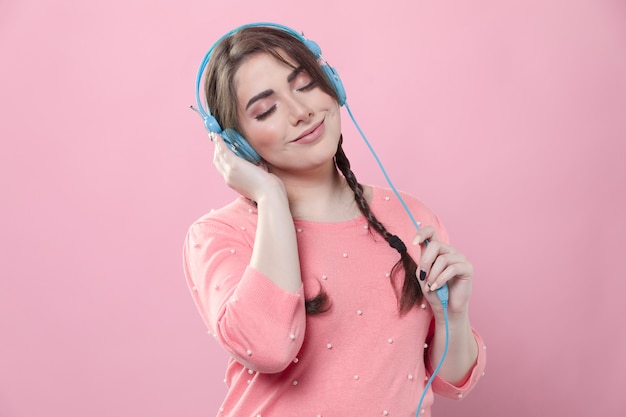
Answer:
(319, 287)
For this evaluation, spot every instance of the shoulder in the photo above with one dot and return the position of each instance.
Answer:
(393, 210)
(386, 199)
(237, 216)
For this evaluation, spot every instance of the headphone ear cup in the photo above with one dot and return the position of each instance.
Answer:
(240, 146)
(210, 123)
(333, 78)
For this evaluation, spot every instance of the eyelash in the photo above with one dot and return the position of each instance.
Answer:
(309, 86)
(266, 113)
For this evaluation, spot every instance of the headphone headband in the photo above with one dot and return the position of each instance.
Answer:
(235, 140)
(313, 47)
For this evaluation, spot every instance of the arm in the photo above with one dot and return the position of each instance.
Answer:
(275, 252)
(249, 295)
(440, 263)
(462, 349)
(460, 389)
(258, 323)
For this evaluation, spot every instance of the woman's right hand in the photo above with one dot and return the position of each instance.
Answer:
(248, 179)
(275, 236)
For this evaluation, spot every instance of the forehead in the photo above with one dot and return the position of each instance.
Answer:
(262, 68)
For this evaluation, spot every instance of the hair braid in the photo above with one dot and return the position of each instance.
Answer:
(411, 290)
(318, 304)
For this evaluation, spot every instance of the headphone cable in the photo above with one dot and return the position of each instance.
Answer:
(442, 292)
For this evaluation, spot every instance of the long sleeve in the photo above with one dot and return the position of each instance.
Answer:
(439, 385)
(446, 389)
(259, 324)
(352, 350)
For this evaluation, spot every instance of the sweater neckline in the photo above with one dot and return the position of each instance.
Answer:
(359, 220)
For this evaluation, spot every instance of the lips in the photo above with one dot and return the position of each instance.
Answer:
(310, 134)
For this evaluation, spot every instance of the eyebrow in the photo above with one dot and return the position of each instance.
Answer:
(295, 73)
(268, 93)
(258, 97)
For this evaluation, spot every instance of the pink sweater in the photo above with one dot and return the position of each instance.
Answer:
(361, 358)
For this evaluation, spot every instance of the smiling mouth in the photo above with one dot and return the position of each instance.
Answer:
(308, 131)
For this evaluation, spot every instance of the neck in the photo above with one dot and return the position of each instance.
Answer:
(322, 195)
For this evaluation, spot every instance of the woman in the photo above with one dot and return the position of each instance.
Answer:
(306, 279)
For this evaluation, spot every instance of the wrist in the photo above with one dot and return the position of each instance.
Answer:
(454, 319)
(271, 192)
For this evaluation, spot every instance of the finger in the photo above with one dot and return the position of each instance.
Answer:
(429, 256)
(225, 148)
(219, 153)
(221, 150)
(427, 233)
(216, 151)
(216, 138)
(447, 267)
(442, 261)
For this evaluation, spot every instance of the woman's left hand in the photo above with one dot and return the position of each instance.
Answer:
(440, 264)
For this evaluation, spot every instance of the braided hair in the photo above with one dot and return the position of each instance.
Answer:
(411, 291)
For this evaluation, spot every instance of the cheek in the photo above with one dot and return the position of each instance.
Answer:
(334, 118)
(261, 136)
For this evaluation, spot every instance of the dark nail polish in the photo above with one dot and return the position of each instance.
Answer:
(422, 275)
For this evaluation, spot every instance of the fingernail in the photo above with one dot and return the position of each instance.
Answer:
(433, 287)
(422, 275)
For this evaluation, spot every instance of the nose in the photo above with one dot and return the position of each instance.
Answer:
(299, 110)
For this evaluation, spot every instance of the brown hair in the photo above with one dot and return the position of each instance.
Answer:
(232, 52)
(226, 59)
(411, 292)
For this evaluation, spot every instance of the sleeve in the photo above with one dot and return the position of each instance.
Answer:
(258, 323)
(446, 389)
(439, 385)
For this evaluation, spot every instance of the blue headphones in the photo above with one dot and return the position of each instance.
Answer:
(233, 139)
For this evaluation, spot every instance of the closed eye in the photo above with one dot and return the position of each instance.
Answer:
(266, 113)
(308, 86)
(298, 77)
(301, 79)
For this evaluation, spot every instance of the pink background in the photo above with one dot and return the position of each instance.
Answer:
(508, 118)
